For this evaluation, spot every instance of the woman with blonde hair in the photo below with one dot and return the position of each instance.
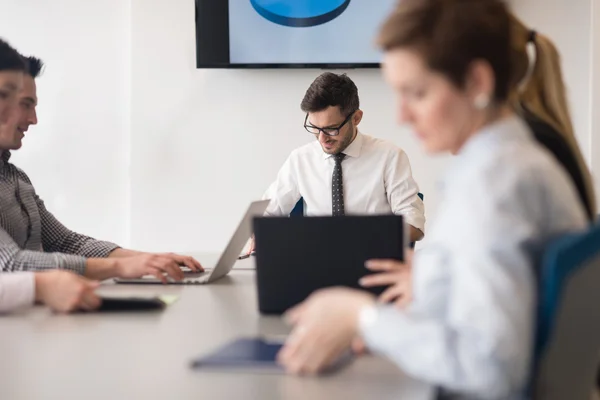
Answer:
(469, 327)
(539, 97)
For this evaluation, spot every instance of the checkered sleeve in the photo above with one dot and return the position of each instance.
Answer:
(13, 258)
(57, 238)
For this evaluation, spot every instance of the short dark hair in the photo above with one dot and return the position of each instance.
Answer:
(451, 34)
(34, 66)
(10, 59)
(331, 90)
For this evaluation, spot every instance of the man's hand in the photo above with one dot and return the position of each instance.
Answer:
(139, 264)
(324, 327)
(188, 261)
(252, 246)
(396, 275)
(64, 291)
(159, 265)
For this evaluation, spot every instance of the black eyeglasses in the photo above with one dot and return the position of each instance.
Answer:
(334, 131)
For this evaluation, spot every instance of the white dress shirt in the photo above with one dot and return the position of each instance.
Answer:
(377, 179)
(471, 324)
(17, 290)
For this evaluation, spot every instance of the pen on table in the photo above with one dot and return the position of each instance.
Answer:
(244, 256)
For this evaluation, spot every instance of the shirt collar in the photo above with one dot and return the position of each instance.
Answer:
(482, 143)
(353, 149)
(504, 130)
(4, 157)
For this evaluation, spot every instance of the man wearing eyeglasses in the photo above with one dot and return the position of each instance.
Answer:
(344, 171)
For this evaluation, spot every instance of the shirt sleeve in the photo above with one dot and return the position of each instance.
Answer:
(402, 191)
(470, 326)
(284, 192)
(13, 258)
(17, 290)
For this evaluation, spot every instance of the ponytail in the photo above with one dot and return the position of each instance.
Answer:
(539, 89)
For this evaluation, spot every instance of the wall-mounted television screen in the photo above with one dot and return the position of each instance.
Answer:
(289, 33)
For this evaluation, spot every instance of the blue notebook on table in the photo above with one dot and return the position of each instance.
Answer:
(252, 355)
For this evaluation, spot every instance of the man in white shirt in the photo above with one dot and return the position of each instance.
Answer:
(345, 172)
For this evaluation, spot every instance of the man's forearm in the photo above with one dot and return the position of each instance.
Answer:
(120, 253)
(101, 268)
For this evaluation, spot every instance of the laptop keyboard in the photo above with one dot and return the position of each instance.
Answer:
(187, 270)
(191, 274)
(188, 273)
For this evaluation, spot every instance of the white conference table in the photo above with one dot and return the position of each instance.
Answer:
(147, 355)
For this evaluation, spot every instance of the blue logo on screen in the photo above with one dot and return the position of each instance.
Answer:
(300, 13)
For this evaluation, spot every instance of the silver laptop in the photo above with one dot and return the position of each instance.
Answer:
(226, 260)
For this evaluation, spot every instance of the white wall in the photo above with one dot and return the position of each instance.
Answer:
(205, 143)
(201, 144)
(77, 155)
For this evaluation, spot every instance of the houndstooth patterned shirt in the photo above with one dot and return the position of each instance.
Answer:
(31, 238)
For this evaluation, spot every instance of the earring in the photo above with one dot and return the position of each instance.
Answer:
(482, 101)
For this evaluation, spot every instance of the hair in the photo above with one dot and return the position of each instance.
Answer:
(331, 90)
(539, 89)
(451, 34)
(34, 66)
(10, 59)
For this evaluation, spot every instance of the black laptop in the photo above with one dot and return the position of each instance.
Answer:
(295, 256)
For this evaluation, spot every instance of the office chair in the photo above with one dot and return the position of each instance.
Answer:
(567, 343)
(298, 210)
